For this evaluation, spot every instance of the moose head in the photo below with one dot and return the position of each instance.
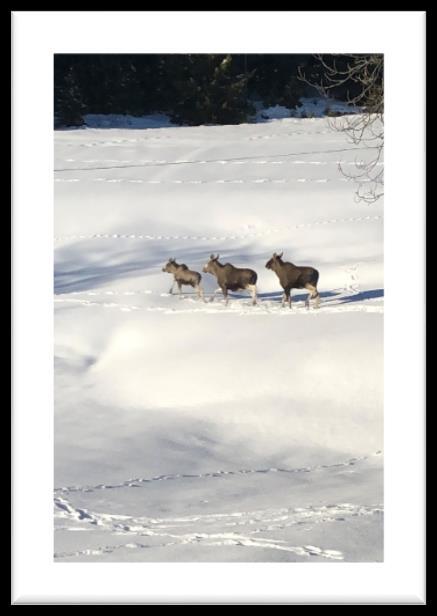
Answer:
(276, 259)
(170, 266)
(210, 267)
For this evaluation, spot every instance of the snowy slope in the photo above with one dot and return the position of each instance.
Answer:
(187, 430)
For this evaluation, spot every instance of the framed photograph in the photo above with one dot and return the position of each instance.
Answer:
(218, 380)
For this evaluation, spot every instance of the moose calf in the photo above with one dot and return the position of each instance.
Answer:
(230, 278)
(183, 276)
(295, 277)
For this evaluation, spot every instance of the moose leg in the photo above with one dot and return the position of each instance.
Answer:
(286, 297)
(225, 293)
(252, 289)
(172, 287)
(215, 293)
(200, 294)
(180, 290)
(313, 294)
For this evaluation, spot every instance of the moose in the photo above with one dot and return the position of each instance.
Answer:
(295, 277)
(183, 276)
(230, 278)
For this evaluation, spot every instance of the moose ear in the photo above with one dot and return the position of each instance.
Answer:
(211, 257)
(274, 254)
(280, 256)
(217, 257)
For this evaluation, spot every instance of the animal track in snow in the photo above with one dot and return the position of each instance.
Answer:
(352, 286)
(136, 236)
(86, 302)
(143, 481)
(288, 134)
(236, 308)
(217, 540)
(199, 181)
(213, 529)
(127, 162)
(117, 142)
(115, 292)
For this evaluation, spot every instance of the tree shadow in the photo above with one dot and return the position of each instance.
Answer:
(340, 298)
(363, 295)
(277, 295)
(91, 277)
(117, 121)
(83, 266)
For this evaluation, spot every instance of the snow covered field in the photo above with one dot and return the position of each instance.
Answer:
(192, 431)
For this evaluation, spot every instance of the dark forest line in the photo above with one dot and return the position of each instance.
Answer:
(191, 89)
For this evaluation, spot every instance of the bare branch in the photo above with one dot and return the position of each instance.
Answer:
(362, 77)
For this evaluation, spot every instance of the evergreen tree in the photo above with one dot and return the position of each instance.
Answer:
(275, 80)
(68, 101)
(207, 90)
(191, 88)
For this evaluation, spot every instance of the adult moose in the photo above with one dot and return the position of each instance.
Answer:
(295, 277)
(230, 278)
(183, 276)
